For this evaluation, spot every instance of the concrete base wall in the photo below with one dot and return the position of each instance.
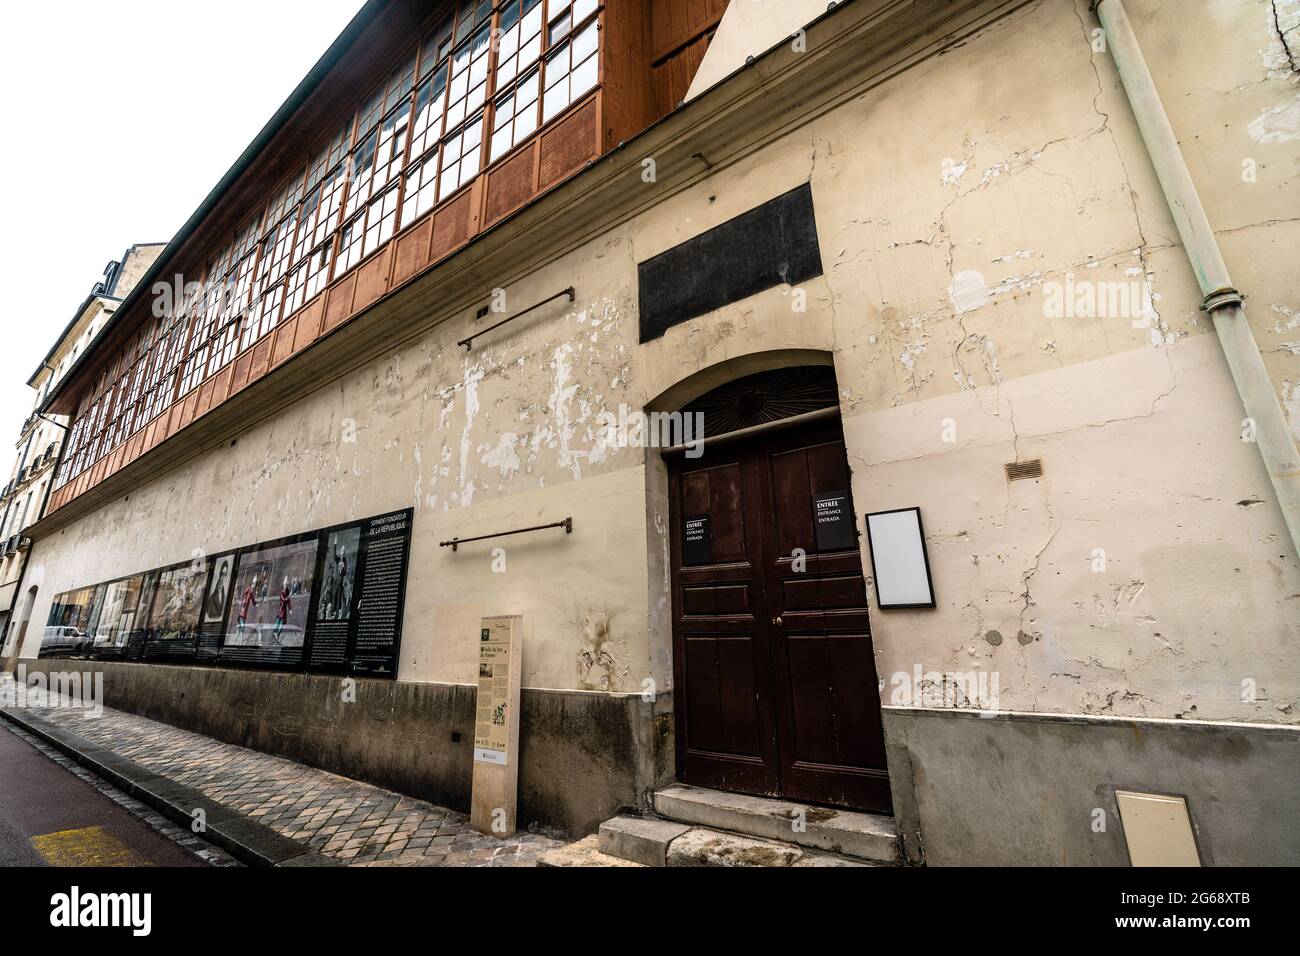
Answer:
(1019, 789)
(584, 755)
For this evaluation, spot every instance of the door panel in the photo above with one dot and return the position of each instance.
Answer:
(827, 697)
(777, 690)
(727, 734)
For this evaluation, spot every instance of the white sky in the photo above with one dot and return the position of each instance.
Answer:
(120, 118)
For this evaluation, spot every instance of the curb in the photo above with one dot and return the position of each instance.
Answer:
(250, 842)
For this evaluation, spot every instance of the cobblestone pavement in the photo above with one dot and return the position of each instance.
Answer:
(353, 822)
(212, 855)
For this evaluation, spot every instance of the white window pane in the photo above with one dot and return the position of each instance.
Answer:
(531, 51)
(509, 43)
(584, 77)
(557, 98)
(526, 123)
(476, 97)
(507, 70)
(448, 182)
(500, 144)
(584, 44)
(506, 104)
(560, 27)
(582, 9)
(557, 66)
(528, 89)
(469, 165)
(478, 72)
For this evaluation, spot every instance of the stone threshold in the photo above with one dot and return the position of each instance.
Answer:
(863, 836)
(650, 842)
(698, 827)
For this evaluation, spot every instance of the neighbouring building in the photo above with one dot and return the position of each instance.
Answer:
(41, 437)
(490, 261)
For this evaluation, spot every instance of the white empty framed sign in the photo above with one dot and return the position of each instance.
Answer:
(899, 561)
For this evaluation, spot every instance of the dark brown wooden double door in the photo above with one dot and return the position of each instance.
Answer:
(776, 684)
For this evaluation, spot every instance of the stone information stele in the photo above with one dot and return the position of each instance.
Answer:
(495, 790)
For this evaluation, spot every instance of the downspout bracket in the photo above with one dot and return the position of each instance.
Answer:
(1222, 299)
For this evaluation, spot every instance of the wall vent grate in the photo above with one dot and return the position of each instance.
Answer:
(1020, 470)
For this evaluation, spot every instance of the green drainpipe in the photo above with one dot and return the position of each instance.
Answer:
(1220, 297)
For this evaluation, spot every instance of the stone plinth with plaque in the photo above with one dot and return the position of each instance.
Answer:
(496, 727)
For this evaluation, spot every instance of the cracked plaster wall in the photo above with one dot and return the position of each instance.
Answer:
(950, 202)
(948, 199)
(1137, 427)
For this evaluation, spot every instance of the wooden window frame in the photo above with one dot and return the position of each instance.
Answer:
(256, 269)
(552, 51)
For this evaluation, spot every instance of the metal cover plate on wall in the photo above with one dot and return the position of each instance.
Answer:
(1158, 829)
(1020, 470)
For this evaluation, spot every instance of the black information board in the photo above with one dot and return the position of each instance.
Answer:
(382, 595)
(833, 521)
(328, 601)
(697, 540)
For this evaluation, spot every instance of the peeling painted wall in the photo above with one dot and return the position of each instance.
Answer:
(963, 208)
(1148, 573)
(506, 436)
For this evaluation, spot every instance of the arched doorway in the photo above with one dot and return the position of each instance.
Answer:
(776, 688)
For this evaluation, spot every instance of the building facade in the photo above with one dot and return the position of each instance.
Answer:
(431, 353)
(38, 445)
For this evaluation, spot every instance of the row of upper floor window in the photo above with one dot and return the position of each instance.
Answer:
(29, 470)
(10, 546)
(486, 78)
(33, 447)
(20, 511)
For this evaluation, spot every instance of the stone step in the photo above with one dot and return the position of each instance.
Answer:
(701, 846)
(864, 836)
(583, 853)
(643, 840)
(647, 841)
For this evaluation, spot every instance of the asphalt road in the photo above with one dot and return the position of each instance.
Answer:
(48, 817)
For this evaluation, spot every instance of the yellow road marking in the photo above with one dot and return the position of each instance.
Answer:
(89, 846)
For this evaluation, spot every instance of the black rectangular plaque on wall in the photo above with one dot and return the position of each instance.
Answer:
(774, 244)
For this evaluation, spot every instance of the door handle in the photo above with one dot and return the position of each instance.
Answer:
(778, 621)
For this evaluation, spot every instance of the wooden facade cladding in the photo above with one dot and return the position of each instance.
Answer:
(680, 31)
(110, 394)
